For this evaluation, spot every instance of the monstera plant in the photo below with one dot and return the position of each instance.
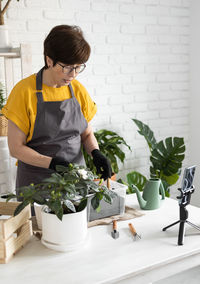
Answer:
(166, 157)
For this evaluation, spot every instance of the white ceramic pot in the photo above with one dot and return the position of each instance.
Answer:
(4, 37)
(38, 214)
(66, 235)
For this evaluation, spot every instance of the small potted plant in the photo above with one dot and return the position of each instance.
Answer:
(109, 144)
(166, 157)
(64, 196)
(3, 120)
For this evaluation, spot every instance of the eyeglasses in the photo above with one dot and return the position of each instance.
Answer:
(68, 69)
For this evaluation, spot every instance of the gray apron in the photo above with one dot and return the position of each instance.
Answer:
(57, 130)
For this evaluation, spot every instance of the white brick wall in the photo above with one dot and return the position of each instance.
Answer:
(139, 67)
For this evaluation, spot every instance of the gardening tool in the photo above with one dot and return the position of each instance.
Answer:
(133, 231)
(108, 183)
(115, 233)
(150, 198)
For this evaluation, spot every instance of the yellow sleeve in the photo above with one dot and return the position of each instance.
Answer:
(16, 108)
(88, 106)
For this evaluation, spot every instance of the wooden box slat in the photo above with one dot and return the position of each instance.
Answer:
(8, 208)
(14, 231)
(12, 224)
(2, 250)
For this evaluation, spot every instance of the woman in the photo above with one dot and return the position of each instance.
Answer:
(49, 113)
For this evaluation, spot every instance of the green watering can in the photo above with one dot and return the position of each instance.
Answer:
(150, 199)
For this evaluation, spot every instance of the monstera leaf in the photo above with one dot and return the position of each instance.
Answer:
(136, 179)
(167, 159)
(148, 134)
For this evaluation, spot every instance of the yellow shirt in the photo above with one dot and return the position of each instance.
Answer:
(21, 106)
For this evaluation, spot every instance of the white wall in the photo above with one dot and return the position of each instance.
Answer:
(139, 67)
(195, 97)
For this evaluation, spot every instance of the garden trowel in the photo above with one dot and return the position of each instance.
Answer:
(115, 233)
(134, 233)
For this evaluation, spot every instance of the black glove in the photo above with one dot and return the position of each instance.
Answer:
(102, 164)
(57, 161)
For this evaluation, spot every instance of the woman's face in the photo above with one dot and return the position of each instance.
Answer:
(58, 77)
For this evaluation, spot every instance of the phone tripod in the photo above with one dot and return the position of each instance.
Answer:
(183, 213)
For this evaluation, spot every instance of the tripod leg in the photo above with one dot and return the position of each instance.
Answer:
(193, 225)
(181, 233)
(164, 229)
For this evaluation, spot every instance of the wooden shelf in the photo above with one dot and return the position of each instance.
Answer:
(10, 52)
(8, 57)
(23, 52)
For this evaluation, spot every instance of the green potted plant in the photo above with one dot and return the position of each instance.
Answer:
(3, 120)
(166, 157)
(4, 42)
(64, 197)
(109, 144)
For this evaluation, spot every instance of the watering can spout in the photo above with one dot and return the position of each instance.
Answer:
(140, 199)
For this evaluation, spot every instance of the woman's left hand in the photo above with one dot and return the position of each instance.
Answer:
(102, 164)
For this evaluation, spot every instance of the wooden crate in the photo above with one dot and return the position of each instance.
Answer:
(14, 231)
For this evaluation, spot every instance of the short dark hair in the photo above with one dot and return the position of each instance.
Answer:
(66, 44)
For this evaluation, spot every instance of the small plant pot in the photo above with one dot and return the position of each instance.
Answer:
(4, 36)
(67, 235)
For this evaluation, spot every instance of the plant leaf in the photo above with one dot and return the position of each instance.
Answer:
(59, 213)
(20, 207)
(10, 196)
(167, 157)
(56, 207)
(82, 205)
(148, 134)
(80, 187)
(51, 180)
(69, 205)
(61, 168)
(107, 198)
(137, 179)
(38, 199)
(95, 202)
(93, 186)
(70, 188)
(98, 209)
(171, 179)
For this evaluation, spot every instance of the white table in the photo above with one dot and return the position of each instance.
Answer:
(105, 260)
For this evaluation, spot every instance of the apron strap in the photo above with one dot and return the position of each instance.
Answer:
(39, 86)
(71, 90)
